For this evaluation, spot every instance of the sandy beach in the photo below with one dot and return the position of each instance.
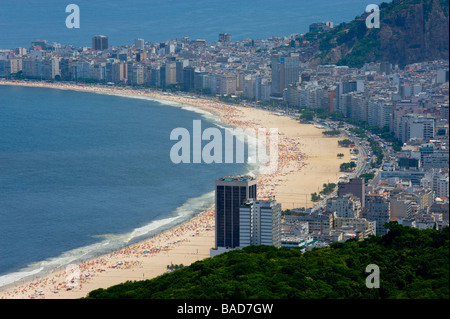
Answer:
(306, 160)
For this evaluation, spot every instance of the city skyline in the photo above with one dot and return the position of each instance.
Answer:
(362, 142)
(124, 24)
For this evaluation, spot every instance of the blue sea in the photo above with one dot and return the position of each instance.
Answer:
(85, 173)
(22, 21)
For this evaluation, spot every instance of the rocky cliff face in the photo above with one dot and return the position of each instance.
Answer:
(410, 31)
(415, 33)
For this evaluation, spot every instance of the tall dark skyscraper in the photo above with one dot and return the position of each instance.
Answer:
(188, 78)
(224, 37)
(100, 42)
(231, 193)
(355, 187)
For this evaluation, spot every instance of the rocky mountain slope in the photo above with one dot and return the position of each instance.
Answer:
(410, 31)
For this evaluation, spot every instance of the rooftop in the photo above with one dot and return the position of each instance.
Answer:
(242, 178)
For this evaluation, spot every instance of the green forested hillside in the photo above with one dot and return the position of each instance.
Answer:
(413, 264)
(410, 31)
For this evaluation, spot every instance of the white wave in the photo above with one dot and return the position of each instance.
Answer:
(204, 113)
(250, 141)
(110, 242)
(17, 276)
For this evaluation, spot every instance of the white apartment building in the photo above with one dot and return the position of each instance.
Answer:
(260, 223)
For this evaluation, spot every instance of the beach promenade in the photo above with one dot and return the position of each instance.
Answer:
(306, 160)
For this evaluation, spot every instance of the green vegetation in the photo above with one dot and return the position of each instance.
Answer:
(270, 103)
(359, 44)
(327, 189)
(355, 35)
(174, 267)
(366, 50)
(315, 197)
(230, 99)
(347, 167)
(367, 176)
(413, 263)
(331, 132)
(377, 151)
(340, 155)
(383, 133)
(321, 113)
(360, 132)
(345, 143)
(298, 212)
(307, 115)
(201, 91)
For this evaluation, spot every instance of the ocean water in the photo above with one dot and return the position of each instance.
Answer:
(22, 21)
(84, 173)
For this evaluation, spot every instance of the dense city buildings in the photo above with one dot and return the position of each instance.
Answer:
(224, 37)
(402, 108)
(378, 209)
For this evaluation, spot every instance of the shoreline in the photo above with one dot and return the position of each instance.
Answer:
(304, 164)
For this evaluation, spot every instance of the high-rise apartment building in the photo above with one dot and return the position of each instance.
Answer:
(168, 73)
(99, 42)
(415, 126)
(188, 78)
(260, 223)
(401, 108)
(285, 70)
(266, 223)
(224, 37)
(141, 55)
(355, 186)
(135, 73)
(378, 209)
(180, 65)
(405, 90)
(118, 72)
(249, 87)
(227, 84)
(139, 44)
(379, 112)
(318, 222)
(10, 66)
(65, 66)
(231, 193)
(344, 206)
